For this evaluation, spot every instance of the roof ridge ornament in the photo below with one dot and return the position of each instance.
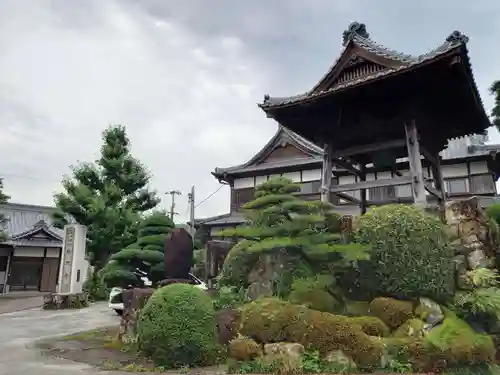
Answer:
(355, 28)
(457, 37)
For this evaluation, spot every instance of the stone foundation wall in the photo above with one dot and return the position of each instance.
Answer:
(473, 238)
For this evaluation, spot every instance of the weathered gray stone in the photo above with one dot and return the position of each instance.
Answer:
(477, 259)
(259, 289)
(340, 359)
(290, 354)
(429, 311)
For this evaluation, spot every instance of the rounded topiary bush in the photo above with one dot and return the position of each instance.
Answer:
(177, 327)
(411, 253)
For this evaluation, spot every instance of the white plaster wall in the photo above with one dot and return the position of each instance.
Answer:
(454, 170)
(274, 175)
(311, 175)
(384, 175)
(29, 252)
(294, 176)
(53, 252)
(260, 179)
(242, 183)
(478, 167)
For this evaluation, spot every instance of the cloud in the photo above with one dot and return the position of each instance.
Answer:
(184, 77)
(67, 73)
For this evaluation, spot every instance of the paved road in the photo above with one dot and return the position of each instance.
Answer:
(18, 331)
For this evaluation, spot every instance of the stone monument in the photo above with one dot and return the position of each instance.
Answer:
(178, 256)
(73, 271)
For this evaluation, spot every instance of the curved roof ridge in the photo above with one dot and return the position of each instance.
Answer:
(357, 34)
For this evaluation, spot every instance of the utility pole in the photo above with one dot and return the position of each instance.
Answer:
(173, 193)
(191, 210)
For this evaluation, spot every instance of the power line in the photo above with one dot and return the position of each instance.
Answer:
(209, 196)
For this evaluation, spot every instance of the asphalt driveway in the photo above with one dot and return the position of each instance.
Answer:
(19, 330)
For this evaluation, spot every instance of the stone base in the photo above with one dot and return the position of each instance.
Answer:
(61, 301)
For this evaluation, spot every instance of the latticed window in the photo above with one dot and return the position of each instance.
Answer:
(382, 193)
(482, 184)
(241, 196)
(458, 185)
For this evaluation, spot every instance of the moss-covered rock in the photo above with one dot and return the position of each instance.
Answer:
(410, 328)
(460, 343)
(314, 293)
(271, 320)
(244, 349)
(391, 311)
(371, 325)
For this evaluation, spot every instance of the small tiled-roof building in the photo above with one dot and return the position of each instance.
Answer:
(30, 257)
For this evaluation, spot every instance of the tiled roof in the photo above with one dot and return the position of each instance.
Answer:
(282, 135)
(25, 220)
(357, 35)
(458, 148)
(224, 219)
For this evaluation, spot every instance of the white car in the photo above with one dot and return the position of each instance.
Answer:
(116, 299)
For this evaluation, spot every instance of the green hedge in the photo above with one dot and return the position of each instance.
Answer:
(177, 327)
(411, 252)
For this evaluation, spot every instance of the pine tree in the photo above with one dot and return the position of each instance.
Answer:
(146, 254)
(3, 220)
(495, 112)
(280, 221)
(108, 196)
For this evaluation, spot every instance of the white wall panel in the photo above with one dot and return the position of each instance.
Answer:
(242, 183)
(311, 175)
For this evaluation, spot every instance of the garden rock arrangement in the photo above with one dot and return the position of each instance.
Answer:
(471, 234)
(409, 312)
(61, 301)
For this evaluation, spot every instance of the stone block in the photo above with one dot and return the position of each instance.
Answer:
(61, 301)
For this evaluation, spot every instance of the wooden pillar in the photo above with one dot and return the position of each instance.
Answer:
(437, 175)
(362, 178)
(326, 173)
(417, 184)
(208, 260)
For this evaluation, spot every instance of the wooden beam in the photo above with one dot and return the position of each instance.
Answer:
(395, 200)
(431, 189)
(417, 180)
(348, 198)
(346, 165)
(326, 173)
(439, 183)
(369, 148)
(396, 181)
(428, 155)
(362, 192)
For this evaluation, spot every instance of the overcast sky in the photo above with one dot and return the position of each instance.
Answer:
(184, 77)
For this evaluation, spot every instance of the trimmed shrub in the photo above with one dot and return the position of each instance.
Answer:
(177, 327)
(391, 311)
(272, 320)
(411, 253)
